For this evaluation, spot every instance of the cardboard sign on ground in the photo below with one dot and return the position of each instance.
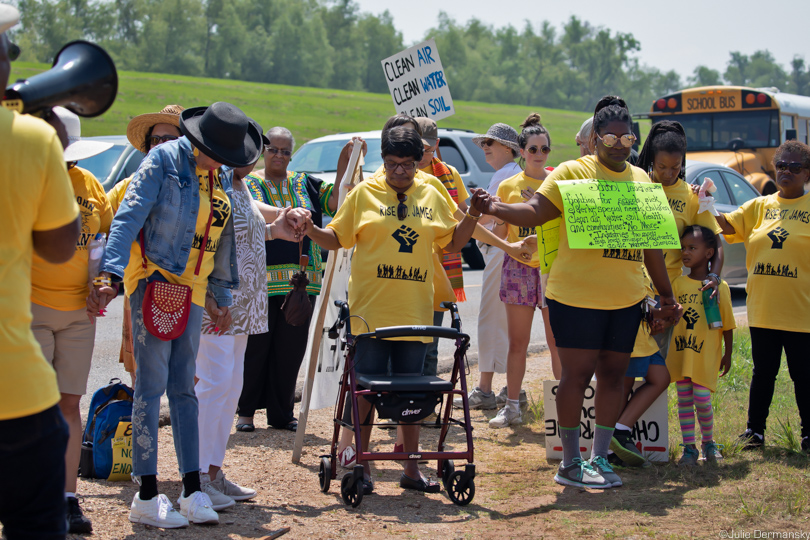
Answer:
(650, 432)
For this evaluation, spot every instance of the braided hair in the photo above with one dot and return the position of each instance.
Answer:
(610, 109)
(665, 136)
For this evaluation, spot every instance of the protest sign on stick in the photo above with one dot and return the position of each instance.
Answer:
(417, 82)
(324, 363)
(600, 214)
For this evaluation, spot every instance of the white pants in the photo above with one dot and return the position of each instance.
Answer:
(220, 365)
(493, 337)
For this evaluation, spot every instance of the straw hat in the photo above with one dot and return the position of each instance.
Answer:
(138, 126)
(224, 133)
(9, 16)
(78, 148)
(504, 134)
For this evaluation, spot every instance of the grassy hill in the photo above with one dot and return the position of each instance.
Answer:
(307, 112)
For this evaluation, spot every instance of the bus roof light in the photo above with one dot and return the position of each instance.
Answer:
(761, 99)
(661, 104)
(750, 99)
(672, 103)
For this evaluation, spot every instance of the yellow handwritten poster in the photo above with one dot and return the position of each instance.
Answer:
(548, 243)
(601, 214)
(121, 453)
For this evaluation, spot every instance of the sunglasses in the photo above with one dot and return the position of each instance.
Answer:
(487, 142)
(406, 167)
(402, 209)
(610, 140)
(277, 151)
(794, 166)
(155, 140)
(534, 149)
(13, 51)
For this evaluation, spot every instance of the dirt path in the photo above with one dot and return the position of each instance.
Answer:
(289, 495)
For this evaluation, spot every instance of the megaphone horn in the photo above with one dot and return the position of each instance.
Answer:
(83, 79)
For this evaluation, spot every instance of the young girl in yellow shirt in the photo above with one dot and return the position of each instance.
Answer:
(696, 352)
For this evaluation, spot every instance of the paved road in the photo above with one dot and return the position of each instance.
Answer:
(108, 336)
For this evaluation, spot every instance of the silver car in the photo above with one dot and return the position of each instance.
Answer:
(732, 191)
(114, 164)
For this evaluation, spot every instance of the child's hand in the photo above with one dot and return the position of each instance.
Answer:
(725, 363)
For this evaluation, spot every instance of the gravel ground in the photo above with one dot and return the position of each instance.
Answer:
(289, 495)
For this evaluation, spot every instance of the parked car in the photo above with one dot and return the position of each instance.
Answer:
(115, 164)
(319, 158)
(732, 191)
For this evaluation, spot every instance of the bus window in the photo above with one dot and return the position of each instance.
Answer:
(802, 130)
(751, 127)
(787, 123)
(740, 190)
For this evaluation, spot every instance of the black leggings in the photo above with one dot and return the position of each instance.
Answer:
(766, 351)
(272, 361)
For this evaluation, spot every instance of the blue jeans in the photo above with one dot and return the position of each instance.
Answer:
(432, 356)
(32, 468)
(164, 366)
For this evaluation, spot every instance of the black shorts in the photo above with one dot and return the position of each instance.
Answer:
(602, 329)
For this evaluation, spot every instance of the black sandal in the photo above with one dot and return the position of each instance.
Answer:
(423, 485)
(245, 427)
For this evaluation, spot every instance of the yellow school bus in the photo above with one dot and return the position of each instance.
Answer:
(736, 126)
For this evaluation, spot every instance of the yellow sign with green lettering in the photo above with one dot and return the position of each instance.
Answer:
(601, 214)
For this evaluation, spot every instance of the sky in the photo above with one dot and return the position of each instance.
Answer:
(673, 35)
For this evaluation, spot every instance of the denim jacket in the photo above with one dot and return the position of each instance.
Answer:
(163, 199)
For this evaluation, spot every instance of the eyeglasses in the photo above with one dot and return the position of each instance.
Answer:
(610, 140)
(402, 209)
(13, 51)
(794, 166)
(277, 151)
(406, 167)
(534, 149)
(155, 140)
(487, 142)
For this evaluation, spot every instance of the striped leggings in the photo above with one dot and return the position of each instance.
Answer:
(691, 397)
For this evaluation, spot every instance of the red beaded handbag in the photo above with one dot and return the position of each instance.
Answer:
(166, 306)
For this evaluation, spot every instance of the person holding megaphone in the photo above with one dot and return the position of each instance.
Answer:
(41, 216)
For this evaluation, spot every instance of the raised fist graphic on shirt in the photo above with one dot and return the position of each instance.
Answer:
(691, 317)
(406, 237)
(778, 237)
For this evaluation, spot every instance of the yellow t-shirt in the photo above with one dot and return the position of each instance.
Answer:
(39, 197)
(645, 344)
(222, 212)
(776, 233)
(593, 278)
(685, 206)
(391, 283)
(115, 196)
(64, 287)
(696, 350)
(509, 192)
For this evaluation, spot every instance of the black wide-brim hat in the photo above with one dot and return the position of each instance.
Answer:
(223, 133)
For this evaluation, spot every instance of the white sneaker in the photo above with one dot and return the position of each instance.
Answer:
(231, 489)
(477, 400)
(501, 398)
(198, 508)
(506, 417)
(157, 512)
(219, 501)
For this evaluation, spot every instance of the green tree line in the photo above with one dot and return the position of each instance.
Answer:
(331, 44)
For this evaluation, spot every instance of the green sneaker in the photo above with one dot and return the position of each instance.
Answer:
(711, 452)
(580, 474)
(602, 466)
(622, 445)
(689, 458)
